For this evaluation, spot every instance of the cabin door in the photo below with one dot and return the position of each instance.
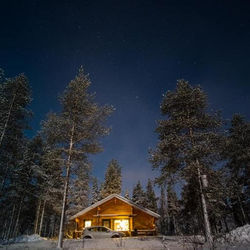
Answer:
(106, 223)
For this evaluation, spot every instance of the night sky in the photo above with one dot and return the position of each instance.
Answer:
(134, 52)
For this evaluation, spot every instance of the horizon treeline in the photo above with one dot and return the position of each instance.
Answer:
(47, 178)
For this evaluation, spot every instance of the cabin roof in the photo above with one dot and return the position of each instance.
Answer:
(111, 197)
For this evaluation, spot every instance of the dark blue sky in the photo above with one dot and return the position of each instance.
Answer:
(134, 52)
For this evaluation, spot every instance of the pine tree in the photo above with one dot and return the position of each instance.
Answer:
(237, 152)
(75, 131)
(151, 199)
(21, 191)
(138, 196)
(113, 180)
(188, 139)
(15, 97)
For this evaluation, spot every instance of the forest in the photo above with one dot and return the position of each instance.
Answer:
(202, 161)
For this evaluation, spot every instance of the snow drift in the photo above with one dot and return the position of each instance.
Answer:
(238, 235)
(26, 238)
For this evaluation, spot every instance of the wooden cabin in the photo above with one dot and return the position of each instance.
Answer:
(117, 213)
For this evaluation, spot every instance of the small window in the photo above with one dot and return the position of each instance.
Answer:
(87, 223)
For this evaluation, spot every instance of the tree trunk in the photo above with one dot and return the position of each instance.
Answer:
(225, 223)
(11, 221)
(51, 225)
(174, 224)
(4, 229)
(207, 227)
(65, 193)
(42, 216)
(37, 216)
(45, 230)
(243, 215)
(7, 120)
(18, 216)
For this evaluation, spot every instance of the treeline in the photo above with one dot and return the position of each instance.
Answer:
(48, 178)
(207, 159)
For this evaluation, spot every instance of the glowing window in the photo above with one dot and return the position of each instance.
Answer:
(121, 225)
(87, 223)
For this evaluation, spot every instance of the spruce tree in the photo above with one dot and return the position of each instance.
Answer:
(113, 179)
(22, 190)
(173, 210)
(74, 132)
(138, 196)
(237, 153)
(79, 188)
(95, 193)
(191, 217)
(151, 199)
(188, 139)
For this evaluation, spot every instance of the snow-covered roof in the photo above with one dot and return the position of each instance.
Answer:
(118, 197)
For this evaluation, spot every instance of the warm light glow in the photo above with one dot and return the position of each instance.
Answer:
(121, 225)
(87, 223)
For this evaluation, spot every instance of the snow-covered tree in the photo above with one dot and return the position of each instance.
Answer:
(173, 210)
(237, 153)
(79, 188)
(15, 97)
(138, 196)
(189, 139)
(113, 179)
(74, 132)
(151, 200)
(95, 192)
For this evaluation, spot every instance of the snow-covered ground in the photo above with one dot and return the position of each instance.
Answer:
(237, 239)
(25, 238)
(239, 235)
(133, 243)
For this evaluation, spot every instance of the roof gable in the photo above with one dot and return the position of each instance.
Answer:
(84, 211)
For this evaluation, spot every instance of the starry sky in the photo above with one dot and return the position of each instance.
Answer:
(134, 52)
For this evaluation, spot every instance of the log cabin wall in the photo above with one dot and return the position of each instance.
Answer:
(110, 210)
(143, 220)
(115, 211)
